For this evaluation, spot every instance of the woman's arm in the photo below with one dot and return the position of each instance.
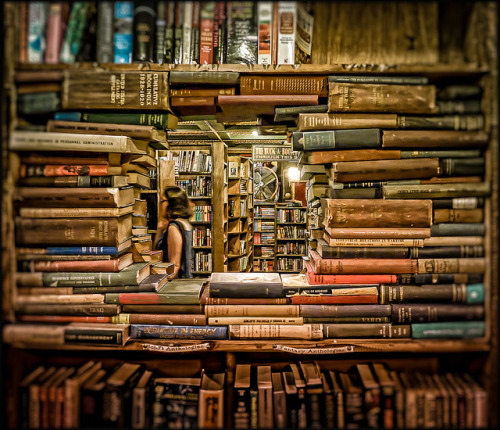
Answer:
(174, 242)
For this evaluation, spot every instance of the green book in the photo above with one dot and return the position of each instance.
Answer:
(337, 139)
(162, 121)
(458, 229)
(446, 330)
(131, 275)
(204, 78)
(436, 191)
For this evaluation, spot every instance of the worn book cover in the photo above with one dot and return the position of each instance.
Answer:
(245, 285)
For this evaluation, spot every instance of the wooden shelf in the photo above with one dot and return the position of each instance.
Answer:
(436, 70)
(358, 345)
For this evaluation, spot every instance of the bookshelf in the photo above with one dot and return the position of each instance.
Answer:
(291, 239)
(455, 58)
(264, 236)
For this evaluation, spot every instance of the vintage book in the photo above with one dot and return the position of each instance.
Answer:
(74, 38)
(72, 252)
(353, 399)
(202, 92)
(265, 397)
(241, 396)
(251, 311)
(56, 399)
(38, 103)
(446, 153)
(244, 301)
(236, 285)
(174, 292)
(68, 309)
(24, 387)
(436, 191)
(377, 79)
(265, 23)
(417, 313)
(458, 229)
(144, 32)
(292, 401)
(435, 139)
(34, 404)
(361, 241)
(44, 395)
(206, 33)
(279, 401)
(447, 330)
(441, 278)
(441, 122)
(385, 170)
(104, 42)
(104, 158)
(387, 395)
(47, 298)
(304, 33)
(69, 264)
(123, 32)
(377, 233)
(118, 394)
(344, 311)
(286, 23)
(178, 78)
(161, 121)
(275, 331)
(164, 319)
(21, 140)
(255, 320)
(458, 251)
(115, 181)
(301, 406)
(327, 266)
(57, 231)
(144, 132)
(458, 215)
(314, 393)
(425, 293)
(211, 400)
(370, 330)
(161, 331)
(63, 319)
(371, 395)
(329, 404)
(393, 98)
(40, 197)
(163, 309)
(70, 170)
(141, 400)
(459, 91)
(112, 90)
(462, 166)
(336, 139)
(290, 84)
(342, 121)
(75, 212)
(377, 213)
(326, 251)
(91, 395)
(131, 275)
(480, 401)
(351, 295)
(451, 265)
(241, 33)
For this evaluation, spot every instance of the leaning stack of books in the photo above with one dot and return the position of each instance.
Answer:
(406, 187)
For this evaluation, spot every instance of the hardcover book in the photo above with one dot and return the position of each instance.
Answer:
(245, 285)
(161, 331)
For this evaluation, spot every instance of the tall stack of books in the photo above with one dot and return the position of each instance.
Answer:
(406, 187)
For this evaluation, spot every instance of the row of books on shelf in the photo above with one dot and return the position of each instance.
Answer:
(295, 248)
(202, 213)
(202, 236)
(197, 187)
(171, 32)
(261, 238)
(290, 232)
(291, 215)
(192, 161)
(302, 394)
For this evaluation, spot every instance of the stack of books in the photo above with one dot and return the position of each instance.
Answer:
(405, 167)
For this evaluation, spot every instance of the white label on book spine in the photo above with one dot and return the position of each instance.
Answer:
(175, 349)
(287, 17)
(265, 17)
(312, 351)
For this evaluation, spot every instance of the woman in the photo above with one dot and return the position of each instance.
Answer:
(175, 234)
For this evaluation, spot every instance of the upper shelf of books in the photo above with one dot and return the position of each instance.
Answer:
(432, 70)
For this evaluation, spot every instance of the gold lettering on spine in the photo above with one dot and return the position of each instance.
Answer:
(142, 89)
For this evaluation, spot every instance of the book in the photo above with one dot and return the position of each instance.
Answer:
(104, 158)
(286, 32)
(105, 265)
(387, 395)
(370, 330)
(81, 231)
(24, 393)
(379, 79)
(377, 234)
(377, 213)
(178, 78)
(394, 98)
(211, 400)
(304, 34)
(255, 320)
(337, 139)
(143, 32)
(436, 191)
(451, 265)
(417, 313)
(368, 295)
(70, 170)
(371, 394)
(34, 404)
(251, 310)
(174, 292)
(47, 298)
(114, 181)
(371, 242)
(279, 400)
(241, 396)
(374, 170)
(66, 309)
(275, 331)
(441, 122)
(345, 311)
(160, 331)
(104, 42)
(91, 394)
(314, 393)
(301, 399)
(72, 252)
(118, 394)
(163, 309)
(241, 33)
(263, 285)
(342, 121)
(285, 85)
(441, 278)
(131, 275)
(448, 330)
(112, 90)
(27, 141)
(265, 397)
(436, 139)
(74, 36)
(458, 229)
(458, 215)
(367, 266)
(425, 293)
(326, 251)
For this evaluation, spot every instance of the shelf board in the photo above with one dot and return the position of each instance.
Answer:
(313, 69)
(378, 346)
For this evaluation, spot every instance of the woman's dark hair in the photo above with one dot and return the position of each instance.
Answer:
(178, 203)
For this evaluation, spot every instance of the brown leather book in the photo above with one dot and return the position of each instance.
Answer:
(324, 157)
(202, 92)
(343, 121)
(377, 213)
(286, 84)
(380, 170)
(377, 233)
(437, 139)
(458, 215)
(414, 99)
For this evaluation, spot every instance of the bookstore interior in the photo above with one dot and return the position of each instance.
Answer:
(339, 264)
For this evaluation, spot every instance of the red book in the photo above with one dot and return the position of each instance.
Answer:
(316, 279)
(302, 299)
(206, 32)
(55, 32)
(327, 266)
(69, 170)
(110, 265)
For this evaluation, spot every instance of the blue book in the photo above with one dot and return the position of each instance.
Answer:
(153, 331)
(79, 250)
(68, 116)
(447, 330)
(123, 37)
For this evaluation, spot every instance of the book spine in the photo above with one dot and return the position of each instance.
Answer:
(368, 242)
(458, 229)
(370, 266)
(434, 139)
(147, 299)
(92, 336)
(385, 80)
(158, 120)
(169, 33)
(451, 265)
(62, 170)
(104, 47)
(23, 33)
(73, 39)
(145, 331)
(341, 139)
(178, 20)
(274, 331)
(446, 293)
(195, 34)
(241, 26)
(320, 299)
(316, 279)
(287, 17)
(365, 252)
(459, 251)
(453, 330)
(64, 319)
(186, 32)
(78, 250)
(37, 18)
(417, 313)
(460, 153)
(435, 191)
(304, 35)
(160, 29)
(236, 301)
(54, 33)
(254, 320)
(170, 319)
(373, 330)
(458, 215)
(265, 21)
(123, 31)
(143, 32)
(72, 266)
(329, 121)
(329, 311)
(442, 122)
(251, 311)
(207, 32)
